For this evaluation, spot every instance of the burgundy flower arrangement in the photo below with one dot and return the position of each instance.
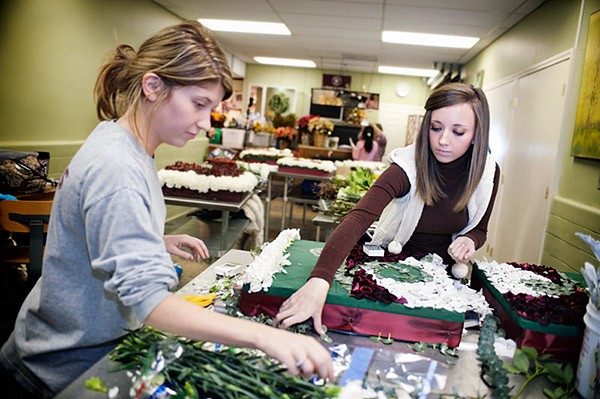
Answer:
(363, 284)
(566, 309)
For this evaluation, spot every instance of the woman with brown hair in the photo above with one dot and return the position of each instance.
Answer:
(107, 266)
(436, 197)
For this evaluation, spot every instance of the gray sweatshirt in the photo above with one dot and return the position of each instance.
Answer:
(105, 264)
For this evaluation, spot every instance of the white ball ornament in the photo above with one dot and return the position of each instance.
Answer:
(460, 270)
(395, 247)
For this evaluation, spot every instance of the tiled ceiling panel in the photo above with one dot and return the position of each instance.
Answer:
(325, 30)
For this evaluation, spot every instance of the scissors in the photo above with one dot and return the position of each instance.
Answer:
(202, 300)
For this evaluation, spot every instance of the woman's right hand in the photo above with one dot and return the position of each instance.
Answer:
(305, 303)
(301, 354)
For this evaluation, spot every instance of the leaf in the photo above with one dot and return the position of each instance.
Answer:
(325, 338)
(419, 346)
(521, 361)
(549, 393)
(511, 368)
(95, 384)
(531, 353)
(569, 373)
(557, 374)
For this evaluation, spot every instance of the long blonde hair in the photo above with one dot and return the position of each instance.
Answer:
(429, 183)
(181, 55)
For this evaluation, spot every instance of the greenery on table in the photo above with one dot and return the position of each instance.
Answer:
(345, 193)
(526, 361)
(231, 373)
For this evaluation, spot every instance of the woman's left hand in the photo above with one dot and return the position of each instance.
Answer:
(462, 249)
(175, 242)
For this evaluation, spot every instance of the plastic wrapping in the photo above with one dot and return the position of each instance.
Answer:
(150, 383)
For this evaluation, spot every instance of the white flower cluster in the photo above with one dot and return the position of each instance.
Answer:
(266, 153)
(372, 165)
(440, 293)
(505, 277)
(305, 163)
(258, 168)
(271, 259)
(202, 183)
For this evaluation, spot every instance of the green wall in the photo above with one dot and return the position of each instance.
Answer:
(51, 55)
(548, 31)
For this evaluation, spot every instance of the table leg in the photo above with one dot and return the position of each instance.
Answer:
(318, 233)
(268, 207)
(224, 227)
(284, 205)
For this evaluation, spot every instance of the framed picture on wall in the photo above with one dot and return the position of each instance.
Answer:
(587, 125)
(479, 79)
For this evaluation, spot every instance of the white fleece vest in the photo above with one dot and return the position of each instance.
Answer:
(400, 218)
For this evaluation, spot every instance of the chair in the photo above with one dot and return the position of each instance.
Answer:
(25, 217)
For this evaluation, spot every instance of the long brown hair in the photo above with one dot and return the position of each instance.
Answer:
(429, 184)
(181, 55)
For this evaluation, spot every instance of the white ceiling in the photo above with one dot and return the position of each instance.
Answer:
(345, 35)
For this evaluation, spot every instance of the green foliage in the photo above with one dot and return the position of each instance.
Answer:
(526, 361)
(493, 374)
(279, 120)
(233, 373)
(279, 103)
(95, 384)
(442, 348)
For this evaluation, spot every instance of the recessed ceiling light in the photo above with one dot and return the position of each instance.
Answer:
(229, 25)
(285, 62)
(407, 71)
(427, 39)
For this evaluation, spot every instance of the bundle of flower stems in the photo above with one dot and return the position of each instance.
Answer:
(231, 373)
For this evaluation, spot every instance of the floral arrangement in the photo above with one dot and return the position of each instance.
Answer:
(217, 119)
(271, 259)
(302, 123)
(217, 175)
(372, 165)
(286, 133)
(305, 163)
(319, 125)
(538, 293)
(403, 279)
(282, 121)
(262, 170)
(269, 153)
(259, 127)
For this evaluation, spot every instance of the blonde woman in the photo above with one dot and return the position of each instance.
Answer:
(436, 197)
(107, 266)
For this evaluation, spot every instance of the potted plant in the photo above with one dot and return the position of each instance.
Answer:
(305, 136)
(285, 135)
(320, 128)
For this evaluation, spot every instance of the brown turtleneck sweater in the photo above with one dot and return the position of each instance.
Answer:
(434, 231)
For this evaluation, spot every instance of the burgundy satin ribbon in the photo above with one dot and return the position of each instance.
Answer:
(363, 321)
(561, 348)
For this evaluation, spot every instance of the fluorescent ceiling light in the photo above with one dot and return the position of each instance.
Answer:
(229, 25)
(426, 39)
(407, 71)
(285, 62)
